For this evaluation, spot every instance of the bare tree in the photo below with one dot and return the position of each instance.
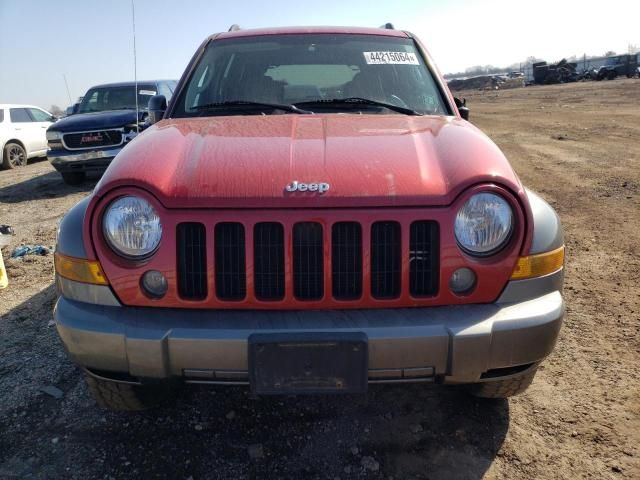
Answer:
(56, 110)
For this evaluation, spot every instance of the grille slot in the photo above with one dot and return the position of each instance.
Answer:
(385, 260)
(308, 261)
(192, 261)
(104, 138)
(231, 277)
(346, 260)
(423, 259)
(389, 249)
(268, 249)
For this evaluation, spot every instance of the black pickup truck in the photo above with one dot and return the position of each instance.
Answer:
(618, 66)
(100, 126)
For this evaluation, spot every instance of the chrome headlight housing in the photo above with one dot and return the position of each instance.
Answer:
(484, 223)
(53, 135)
(132, 227)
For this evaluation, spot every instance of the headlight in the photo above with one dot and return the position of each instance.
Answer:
(53, 135)
(483, 224)
(132, 227)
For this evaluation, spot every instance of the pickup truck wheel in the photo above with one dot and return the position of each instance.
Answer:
(504, 388)
(73, 178)
(14, 156)
(120, 396)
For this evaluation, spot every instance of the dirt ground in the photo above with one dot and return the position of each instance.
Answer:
(578, 145)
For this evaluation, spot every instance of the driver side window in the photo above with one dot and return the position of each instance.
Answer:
(39, 116)
(92, 103)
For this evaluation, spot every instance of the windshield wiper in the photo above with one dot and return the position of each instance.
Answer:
(249, 104)
(359, 101)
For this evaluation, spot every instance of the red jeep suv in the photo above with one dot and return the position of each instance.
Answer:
(310, 214)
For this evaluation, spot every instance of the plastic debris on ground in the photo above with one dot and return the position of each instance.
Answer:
(5, 232)
(30, 250)
(4, 281)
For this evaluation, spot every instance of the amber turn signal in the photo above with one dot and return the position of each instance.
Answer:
(80, 270)
(539, 264)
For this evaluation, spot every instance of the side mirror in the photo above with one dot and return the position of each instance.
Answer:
(157, 107)
(462, 107)
(75, 108)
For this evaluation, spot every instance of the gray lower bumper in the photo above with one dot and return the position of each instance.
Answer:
(457, 343)
(82, 160)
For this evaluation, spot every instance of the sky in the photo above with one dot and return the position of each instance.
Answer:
(91, 41)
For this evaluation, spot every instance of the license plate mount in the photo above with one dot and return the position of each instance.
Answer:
(308, 363)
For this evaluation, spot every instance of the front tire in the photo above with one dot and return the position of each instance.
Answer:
(73, 178)
(504, 388)
(14, 156)
(120, 397)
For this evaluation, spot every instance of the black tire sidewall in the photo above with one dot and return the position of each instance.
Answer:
(6, 163)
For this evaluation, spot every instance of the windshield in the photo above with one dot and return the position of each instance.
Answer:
(323, 68)
(117, 98)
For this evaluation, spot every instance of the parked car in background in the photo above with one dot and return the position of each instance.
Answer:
(100, 126)
(626, 65)
(22, 134)
(311, 214)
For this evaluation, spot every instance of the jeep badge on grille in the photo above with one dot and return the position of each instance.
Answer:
(296, 186)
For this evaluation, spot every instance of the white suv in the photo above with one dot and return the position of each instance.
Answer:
(23, 134)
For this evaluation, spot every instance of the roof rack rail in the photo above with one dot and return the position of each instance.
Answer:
(387, 26)
(234, 28)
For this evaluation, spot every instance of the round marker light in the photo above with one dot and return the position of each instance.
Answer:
(154, 283)
(462, 281)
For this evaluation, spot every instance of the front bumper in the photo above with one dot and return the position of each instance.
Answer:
(82, 161)
(453, 344)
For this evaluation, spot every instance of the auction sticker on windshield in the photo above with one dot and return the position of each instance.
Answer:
(391, 58)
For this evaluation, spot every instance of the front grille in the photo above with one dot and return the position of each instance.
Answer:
(81, 140)
(423, 259)
(192, 261)
(268, 248)
(268, 261)
(385, 259)
(308, 261)
(346, 260)
(230, 261)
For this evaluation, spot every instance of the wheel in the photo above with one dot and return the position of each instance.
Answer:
(504, 388)
(14, 156)
(121, 396)
(73, 178)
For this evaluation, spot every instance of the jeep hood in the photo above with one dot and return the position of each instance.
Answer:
(95, 121)
(368, 160)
